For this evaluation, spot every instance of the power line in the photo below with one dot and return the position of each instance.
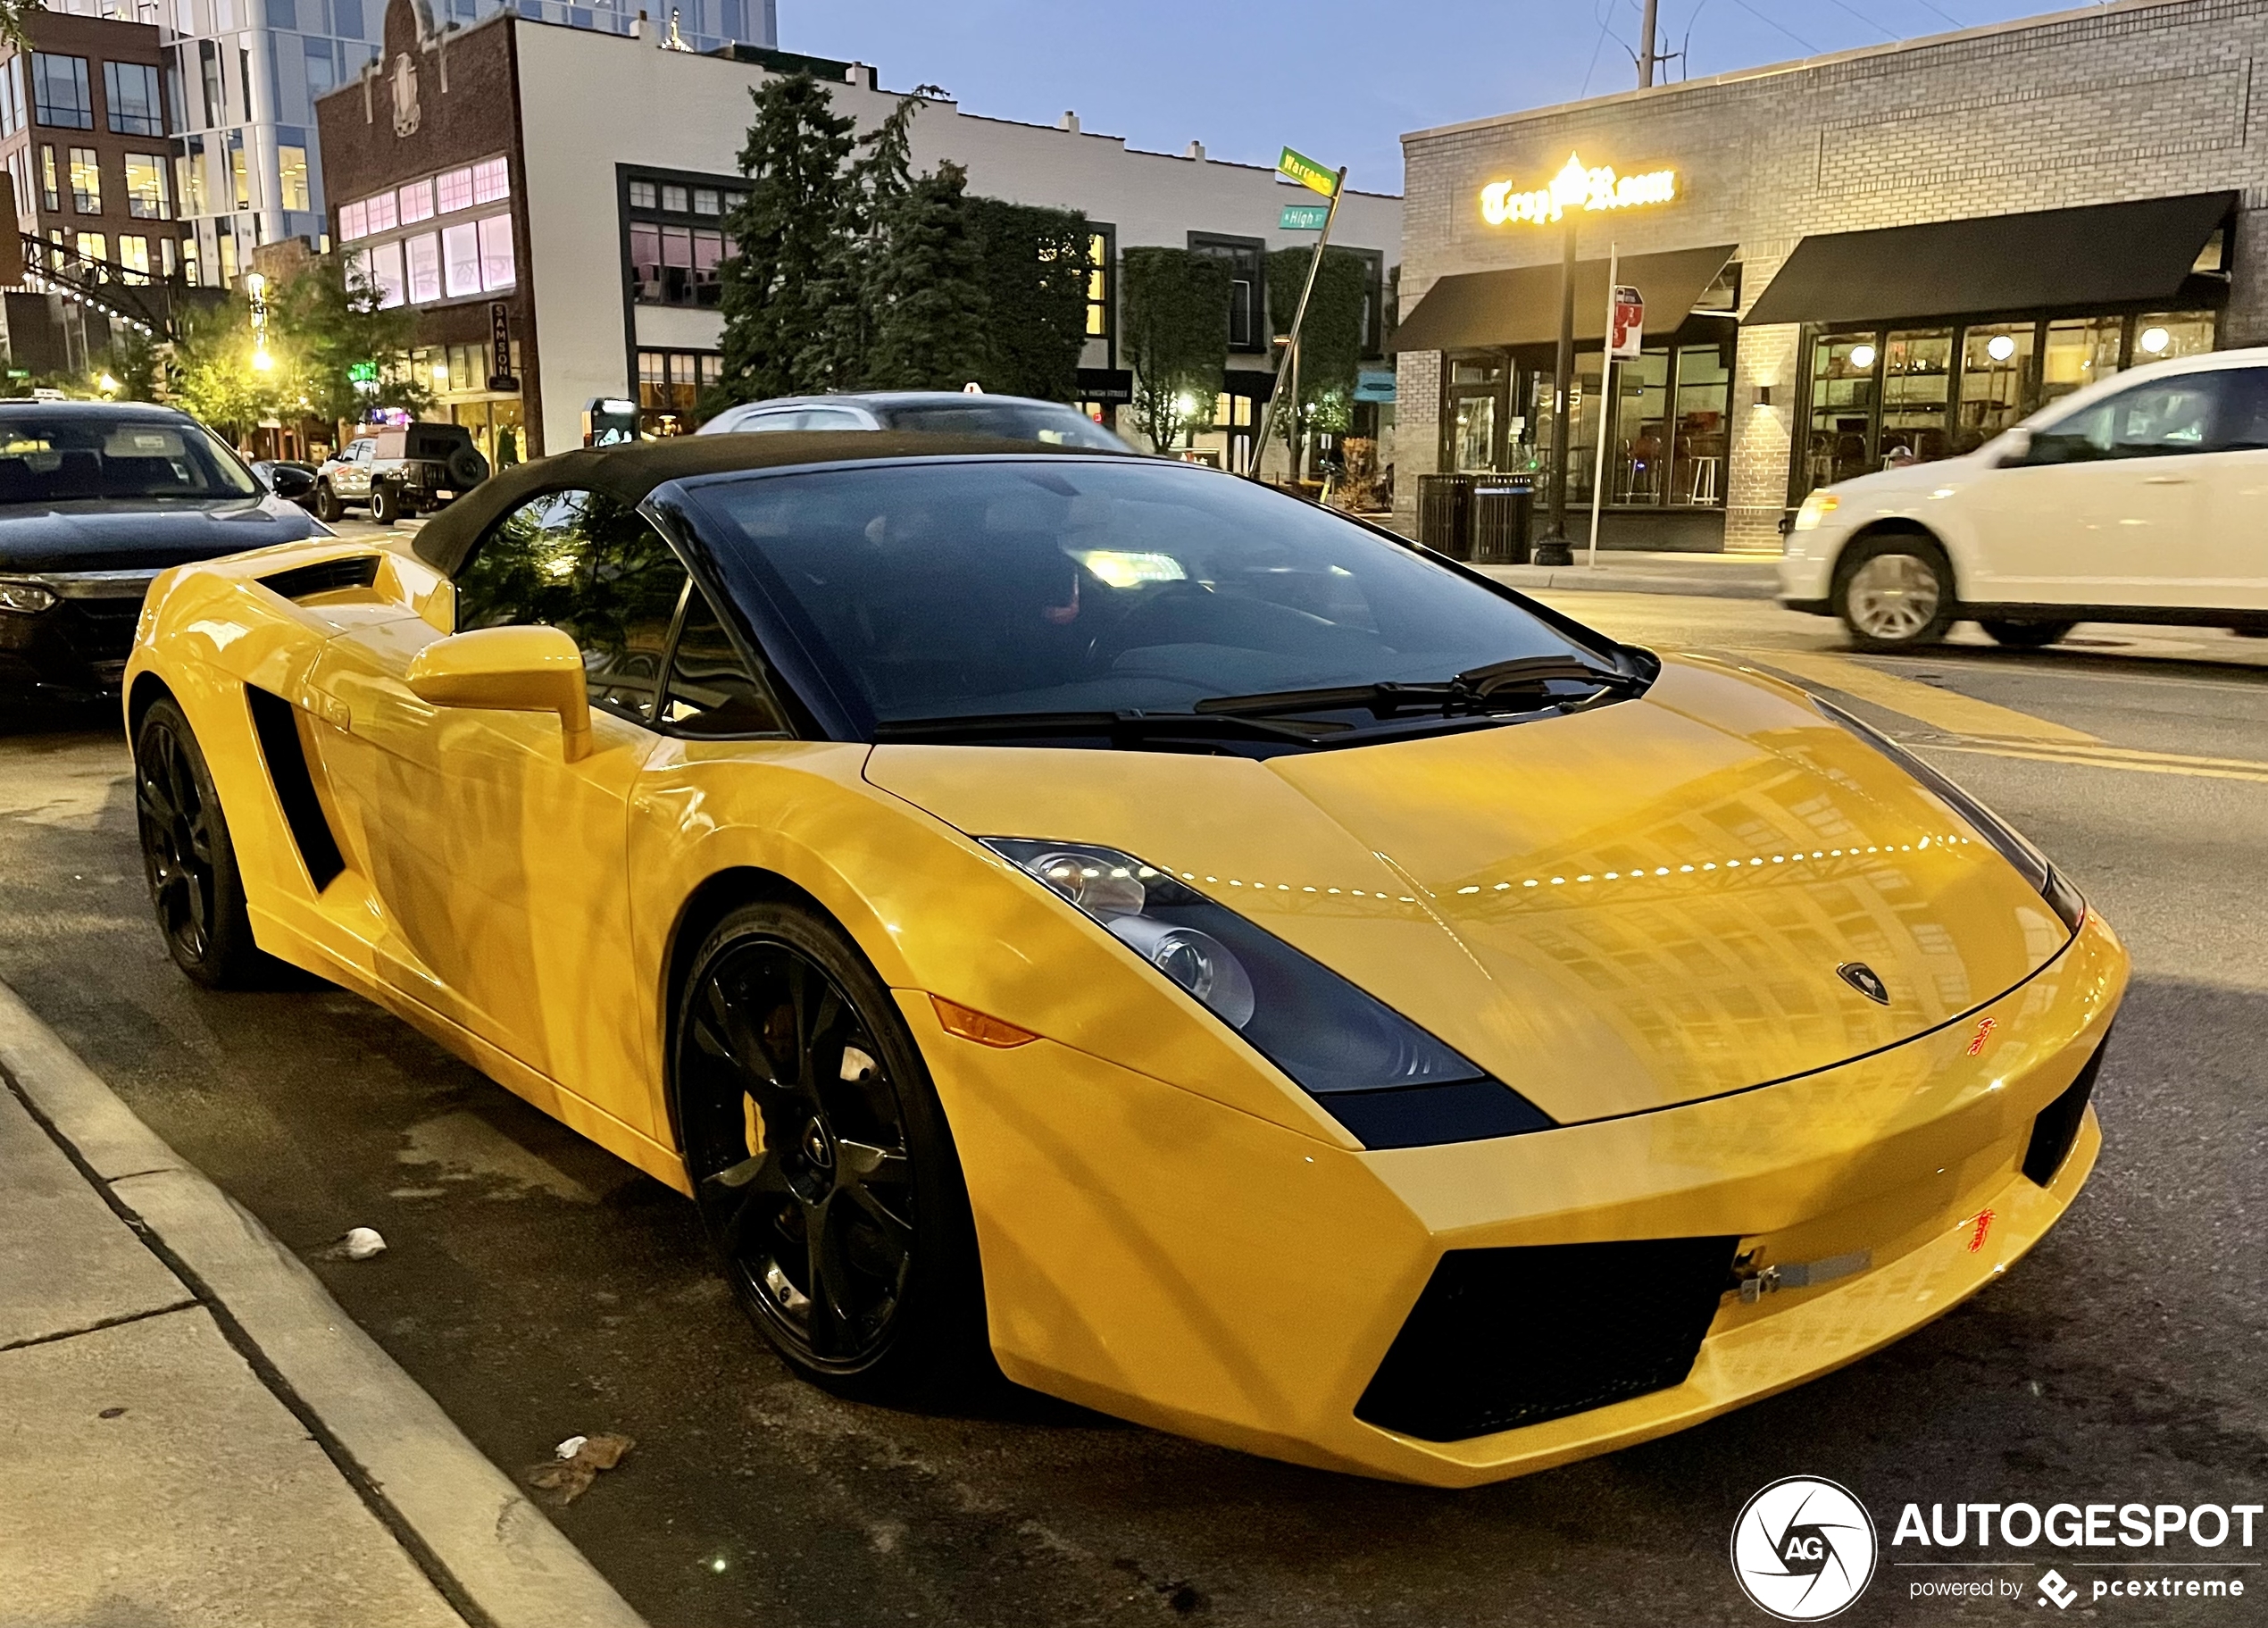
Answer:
(1941, 11)
(1782, 27)
(1864, 18)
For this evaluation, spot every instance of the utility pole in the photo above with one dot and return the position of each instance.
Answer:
(1646, 57)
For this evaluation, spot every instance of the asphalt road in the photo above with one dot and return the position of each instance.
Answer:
(539, 1289)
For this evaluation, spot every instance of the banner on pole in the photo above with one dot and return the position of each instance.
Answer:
(1629, 324)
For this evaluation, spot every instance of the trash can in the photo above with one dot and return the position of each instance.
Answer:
(1503, 512)
(1445, 514)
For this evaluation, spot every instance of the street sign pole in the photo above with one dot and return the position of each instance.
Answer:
(1552, 549)
(1605, 397)
(1290, 363)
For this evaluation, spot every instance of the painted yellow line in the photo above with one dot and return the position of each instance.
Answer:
(2111, 757)
(1955, 714)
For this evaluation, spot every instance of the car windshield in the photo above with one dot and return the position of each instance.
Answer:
(89, 458)
(1014, 421)
(976, 588)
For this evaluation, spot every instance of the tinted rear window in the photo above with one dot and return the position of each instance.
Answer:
(1010, 421)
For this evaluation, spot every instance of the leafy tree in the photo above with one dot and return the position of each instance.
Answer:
(1330, 340)
(15, 22)
(790, 290)
(214, 374)
(1034, 270)
(1174, 316)
(930, 312)
(327, 321)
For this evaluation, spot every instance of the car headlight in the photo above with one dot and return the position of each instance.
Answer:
(1375, 1072)
(2062, 898)
(27, 599)
(1815, 508)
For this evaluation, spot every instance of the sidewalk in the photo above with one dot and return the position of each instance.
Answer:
(192, 1432)
(1717, 576)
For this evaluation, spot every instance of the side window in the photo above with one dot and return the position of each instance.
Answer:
(756, 422)
(584, 564)
(831, 418)
(2220, 410)
(712, 691)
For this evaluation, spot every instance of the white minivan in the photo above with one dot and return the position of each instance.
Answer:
(2141, 498)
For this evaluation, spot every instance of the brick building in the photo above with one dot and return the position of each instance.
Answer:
(1881, 253)
(83, 120)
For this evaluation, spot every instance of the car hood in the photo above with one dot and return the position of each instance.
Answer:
(129, 537)
(1613, 912)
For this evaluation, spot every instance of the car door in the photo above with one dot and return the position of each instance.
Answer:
(500, 864)
(2232, 549)
(2106, 504)
(353, 479)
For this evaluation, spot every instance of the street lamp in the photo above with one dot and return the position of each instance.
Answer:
(1576, 187)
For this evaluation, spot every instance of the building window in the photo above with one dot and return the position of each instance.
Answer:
(188, 171)
(59, 92)
(92, 245)
(1247, 286)
(12, 96)
(145, 197)
(50, 193)
(1099, 259)
(353, 221)
(707, 201)
(225, 249)
(461, 258)
(378, 214)
(132, 91)
(216, 97)
(491, 180)
(675, 201)
(669, 384)
(423, 257)
(291, 172)
(383, 264)
(416, 202)
(19, 173)
(644, 196)
(86, 182)
(456, 190)
(239, 177)
(495, 253)
(133, 254)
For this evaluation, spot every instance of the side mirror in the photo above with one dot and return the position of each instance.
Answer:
(288, 482)
(2014, 447)
(509, 670)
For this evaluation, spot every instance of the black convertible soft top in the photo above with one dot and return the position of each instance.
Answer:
(628, 472)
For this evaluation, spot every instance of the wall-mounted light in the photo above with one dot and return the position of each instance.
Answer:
(1764, 395)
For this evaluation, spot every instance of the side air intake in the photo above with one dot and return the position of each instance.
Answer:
(324, 577)
(303, 811)
(2056, 1128)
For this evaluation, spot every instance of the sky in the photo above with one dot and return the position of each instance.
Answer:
(1339, 80)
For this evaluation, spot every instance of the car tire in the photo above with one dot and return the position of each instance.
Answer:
(2027, 635)
(386, 507)
(327, 508)
(821, 1160)
(191, 864)
(1894, 592)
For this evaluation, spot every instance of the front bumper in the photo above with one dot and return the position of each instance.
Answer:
(1806, 577)
(1153, 1253)
(77, 647)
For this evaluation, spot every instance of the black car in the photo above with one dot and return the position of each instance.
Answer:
(95, 499)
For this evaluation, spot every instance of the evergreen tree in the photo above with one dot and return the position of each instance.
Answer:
(929, 300)
(879, 180)
(1174, 332)
(1330, 341)
(789, 288)
(1035, 271)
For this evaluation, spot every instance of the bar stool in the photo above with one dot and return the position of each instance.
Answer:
(1705, 482)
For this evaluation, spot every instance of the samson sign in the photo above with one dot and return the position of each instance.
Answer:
(1575, 187)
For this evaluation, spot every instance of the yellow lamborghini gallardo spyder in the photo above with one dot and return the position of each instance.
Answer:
(1096, 916)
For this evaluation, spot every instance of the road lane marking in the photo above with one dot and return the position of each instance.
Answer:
(2109, 757)
(1946, 709)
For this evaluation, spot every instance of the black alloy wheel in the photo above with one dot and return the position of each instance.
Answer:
(825, 1174)
(386, 504)
(327, 508)
(191, 864)
(2027, 635)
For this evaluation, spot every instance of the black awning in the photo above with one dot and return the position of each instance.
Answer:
(2055, 259)
(1521, 306)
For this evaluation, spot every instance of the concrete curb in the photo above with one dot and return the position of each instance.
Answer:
(1722, 583)
(490, 1552)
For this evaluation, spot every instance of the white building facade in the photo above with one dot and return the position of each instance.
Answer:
(621, 236)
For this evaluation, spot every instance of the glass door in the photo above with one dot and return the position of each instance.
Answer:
(1841, 443)
(1996, 376)
(1474, 426)
(1917, 372)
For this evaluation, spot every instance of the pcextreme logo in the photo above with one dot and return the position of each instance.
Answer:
(1803, 1549)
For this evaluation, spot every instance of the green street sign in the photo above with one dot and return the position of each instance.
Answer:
(1303, 217)
(1308, 173)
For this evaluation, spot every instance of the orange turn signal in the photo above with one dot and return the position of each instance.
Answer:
(971, 1024)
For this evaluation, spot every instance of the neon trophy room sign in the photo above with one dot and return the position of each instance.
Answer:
(1575, 187)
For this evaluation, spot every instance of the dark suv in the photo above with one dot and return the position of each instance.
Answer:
(400, 472)
(95, 499)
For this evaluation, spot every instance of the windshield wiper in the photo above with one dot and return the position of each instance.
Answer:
(1473, 688)
(1124, 728)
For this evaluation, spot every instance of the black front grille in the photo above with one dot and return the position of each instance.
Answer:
(2056, 1128)
(102, 630)
(1506, 1337)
